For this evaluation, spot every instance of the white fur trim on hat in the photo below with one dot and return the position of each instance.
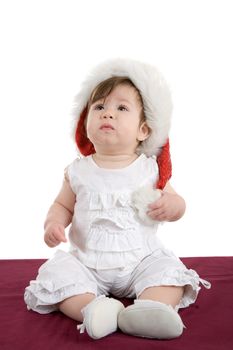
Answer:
(154, 91)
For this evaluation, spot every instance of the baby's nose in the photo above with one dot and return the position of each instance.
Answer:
(106, 116)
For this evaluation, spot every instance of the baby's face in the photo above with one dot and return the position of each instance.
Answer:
(114, 123)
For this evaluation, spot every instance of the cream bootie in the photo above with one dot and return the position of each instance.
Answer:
(150, 319)
(100, 317)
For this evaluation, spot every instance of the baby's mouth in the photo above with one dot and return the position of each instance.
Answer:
(106, 127)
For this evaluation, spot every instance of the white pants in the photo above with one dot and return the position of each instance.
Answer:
(64, 276)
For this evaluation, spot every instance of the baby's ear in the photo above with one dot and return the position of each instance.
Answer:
(143, 132)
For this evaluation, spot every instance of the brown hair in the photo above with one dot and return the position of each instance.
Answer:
(104, 88)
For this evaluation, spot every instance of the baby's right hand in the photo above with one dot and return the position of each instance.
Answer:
(54, 234)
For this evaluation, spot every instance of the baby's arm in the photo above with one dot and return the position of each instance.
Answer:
(169, 207)
(59, 216)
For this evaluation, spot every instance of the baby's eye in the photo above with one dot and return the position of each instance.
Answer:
(99, 107)
(123, 108)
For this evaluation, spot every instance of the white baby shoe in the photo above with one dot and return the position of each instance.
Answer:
(100, 317)
(150, 319)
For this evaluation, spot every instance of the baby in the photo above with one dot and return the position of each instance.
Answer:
(114, 196)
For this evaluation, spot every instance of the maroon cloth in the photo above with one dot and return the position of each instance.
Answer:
(209, 321)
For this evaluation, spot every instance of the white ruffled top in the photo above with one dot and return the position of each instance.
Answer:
(106, 231)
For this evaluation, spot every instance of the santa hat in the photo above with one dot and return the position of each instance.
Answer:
(157, 104)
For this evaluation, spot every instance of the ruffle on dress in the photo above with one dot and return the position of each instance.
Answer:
(112, 238)
(109, 245)
(109, 260)
(109, 235)
(105, 201)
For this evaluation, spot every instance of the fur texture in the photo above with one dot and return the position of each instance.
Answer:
(141, 198)
(154, 91)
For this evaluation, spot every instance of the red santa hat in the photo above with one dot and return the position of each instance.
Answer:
(157, 103)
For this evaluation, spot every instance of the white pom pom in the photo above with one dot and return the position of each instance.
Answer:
(141, 199)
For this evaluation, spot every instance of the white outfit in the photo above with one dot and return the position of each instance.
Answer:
(106, 232)
(112, 250)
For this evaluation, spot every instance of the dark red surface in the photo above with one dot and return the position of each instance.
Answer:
(209, 321)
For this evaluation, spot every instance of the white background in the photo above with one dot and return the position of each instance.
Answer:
(48, 47)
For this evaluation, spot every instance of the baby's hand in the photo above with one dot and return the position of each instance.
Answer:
(54, 234)
(140, 200)
(166, 208)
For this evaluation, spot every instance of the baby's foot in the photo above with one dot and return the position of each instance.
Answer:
(100, 317)
(150, 319)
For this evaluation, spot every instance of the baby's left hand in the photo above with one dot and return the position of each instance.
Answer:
(169, 207)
